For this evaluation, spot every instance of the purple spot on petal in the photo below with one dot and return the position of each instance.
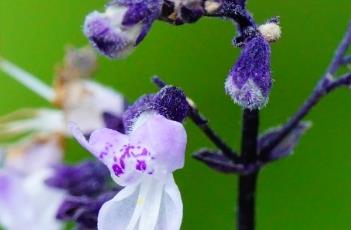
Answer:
(141, 165)
(117, 170)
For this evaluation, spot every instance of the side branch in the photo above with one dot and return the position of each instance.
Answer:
(324, 86)
(338, 59)
(201, 121)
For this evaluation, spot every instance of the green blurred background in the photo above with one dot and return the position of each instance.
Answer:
(310, 190)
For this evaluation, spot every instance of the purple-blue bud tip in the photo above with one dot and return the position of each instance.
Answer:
(249, 81)
(171, 102)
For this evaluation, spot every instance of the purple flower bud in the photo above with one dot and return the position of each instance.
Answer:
(87, 178)
(249, 81)
(121, 27)
(83, 210)
(171, 102)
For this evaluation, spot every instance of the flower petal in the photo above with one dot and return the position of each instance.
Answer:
(85, 102)
(153, 204)
(27, 203)
(166, 138)
(116, 213)
(34, 153)
(126, 162)
(171, 212)
(13, 199)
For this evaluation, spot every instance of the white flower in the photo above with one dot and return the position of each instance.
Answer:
(27, 203)
(143, 162)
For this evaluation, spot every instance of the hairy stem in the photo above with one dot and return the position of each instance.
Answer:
(201, 122)
(247, 183)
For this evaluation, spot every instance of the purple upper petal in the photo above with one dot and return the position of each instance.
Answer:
(166, 138)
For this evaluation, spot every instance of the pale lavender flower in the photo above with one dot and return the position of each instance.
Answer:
(249, 81)
(143, 162)
(26, 202)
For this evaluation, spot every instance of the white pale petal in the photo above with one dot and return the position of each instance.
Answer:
(34, 153)
(27, 203)
(171, 212)
(13, 199)
(152, 205)
(79, 136)
(151, 209)
(117, 213)
(166, 138)
(44, 200)
(86, 101)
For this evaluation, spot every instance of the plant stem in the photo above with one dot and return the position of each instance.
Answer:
(247, 183)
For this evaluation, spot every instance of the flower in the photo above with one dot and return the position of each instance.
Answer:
(29, 162)
(26, 202)
(122, 26)
(249, 81)
(143, 162)
(74, 93)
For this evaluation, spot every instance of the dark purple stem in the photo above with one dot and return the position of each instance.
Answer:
(247, 183)
(236, 11)
(202, 123)
(324, 86)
